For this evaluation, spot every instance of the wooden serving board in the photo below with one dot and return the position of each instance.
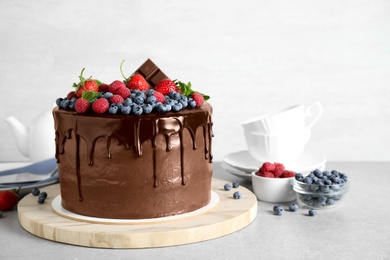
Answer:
(228, 216)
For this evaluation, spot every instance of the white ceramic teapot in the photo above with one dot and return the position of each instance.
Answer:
(37, 140)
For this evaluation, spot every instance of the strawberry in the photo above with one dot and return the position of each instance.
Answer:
(115, 99)
(159, 97)
(8, 199)
(137, 81)
(85, 85)
(123, 92)
(199, 99)
(100, 106)
(165, 86)
(115, 85)
(82, 105)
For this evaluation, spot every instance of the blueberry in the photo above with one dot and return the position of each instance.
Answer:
(126, 110)
(43, 195)
(325, 189)
(65, 103)
(276, 207)
(137, 110)
(113, 109)
(139, 100)
(312, 212)
(192, 104)
(237, 195)
(314, 187)
(299, 176)
(227, 187)
(330, 202)
(107, 95)
(293, 207)
(127, 102)
(235, 184)
(177, 107)
(279, 210)
(149, 92)
(308, 180)
(58, 101)
(151, 100)
(318, 173)
(147, 108)
(35, 191)
(183, 102)
(41, 200)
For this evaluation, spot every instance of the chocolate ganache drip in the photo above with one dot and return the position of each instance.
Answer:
(131, 131)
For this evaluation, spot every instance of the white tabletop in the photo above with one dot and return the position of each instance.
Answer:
(358, 229)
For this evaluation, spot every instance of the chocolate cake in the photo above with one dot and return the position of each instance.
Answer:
(128, 166)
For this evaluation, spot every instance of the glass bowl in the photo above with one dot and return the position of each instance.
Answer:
(319, 196)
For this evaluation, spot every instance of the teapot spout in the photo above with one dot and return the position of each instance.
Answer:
(20, 132)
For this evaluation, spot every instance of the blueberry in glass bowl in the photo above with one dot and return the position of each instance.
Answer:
(321, 189)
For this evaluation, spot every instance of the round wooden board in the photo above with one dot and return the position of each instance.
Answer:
(227, 217)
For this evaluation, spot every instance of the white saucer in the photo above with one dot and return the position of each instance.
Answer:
(236, 172)
(306, 163)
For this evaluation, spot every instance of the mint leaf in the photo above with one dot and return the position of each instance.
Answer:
(90, 95)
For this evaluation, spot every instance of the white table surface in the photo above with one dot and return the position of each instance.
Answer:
(358, 229)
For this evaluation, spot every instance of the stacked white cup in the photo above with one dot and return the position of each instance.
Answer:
(281, 136)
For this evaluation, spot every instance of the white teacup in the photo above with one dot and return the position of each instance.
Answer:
(294, 118)
(284, 148)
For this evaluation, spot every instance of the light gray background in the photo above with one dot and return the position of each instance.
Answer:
(251, 57)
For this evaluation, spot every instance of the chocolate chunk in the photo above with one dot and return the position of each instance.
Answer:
(151, 72)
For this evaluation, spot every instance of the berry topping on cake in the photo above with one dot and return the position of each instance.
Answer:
(135, 93)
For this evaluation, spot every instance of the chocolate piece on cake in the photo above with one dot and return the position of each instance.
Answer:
(151, 72)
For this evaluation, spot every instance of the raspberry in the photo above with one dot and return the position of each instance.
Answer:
(159, 96)
(199, 99)
(287, 174)
(104, 88)
(115, 85)
(279, 168)
(82, 105)
(100, 106)
(267, 167)
(123, 92)
(268, 175)
(71, 95)
(115, 99)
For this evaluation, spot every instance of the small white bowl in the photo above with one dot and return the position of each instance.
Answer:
(275, 190)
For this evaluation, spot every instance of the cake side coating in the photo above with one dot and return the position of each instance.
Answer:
(134, 167)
